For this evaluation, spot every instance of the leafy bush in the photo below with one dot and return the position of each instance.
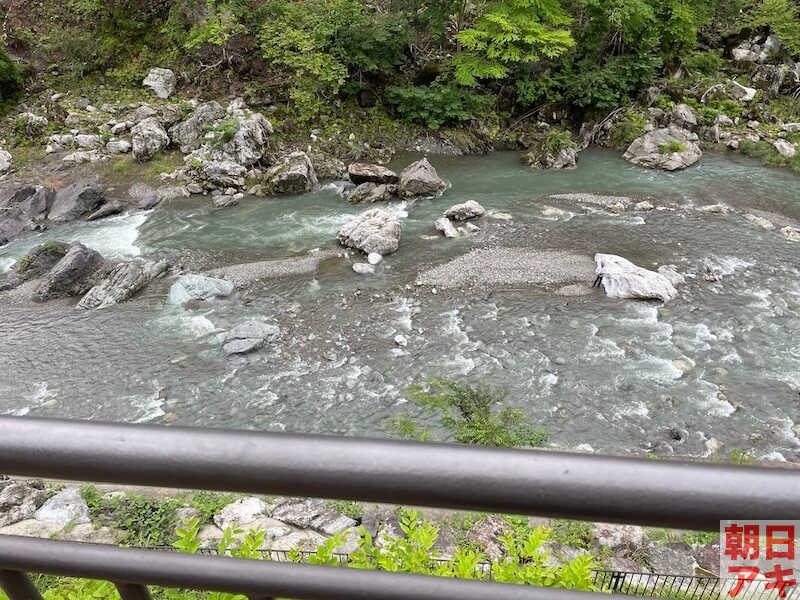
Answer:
(782, 17)
(434, 105)
(573, 533)
(556, 140)
(469, 412)
(671, 146)
(627, 128)
(10, 81)
(210, 503)
(700, 538)
(707, 63)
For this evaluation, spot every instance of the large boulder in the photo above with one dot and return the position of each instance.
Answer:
(30, 125)
(67, 507)
(23, 207)
(121, 283)
(239, 513)
(674, 559)
(420, 179)
(73, 275)
(623, 279)
(76, 200)
(294, 174)
(462, 212)
(369, 173)
(188, 134)
(669, 148)
(19, 502)
(541, 158)
(447, 228)
(162, 82)
(684, 116)
(372, 231)
(223, 174)
(249, 336)
(193, 287)
(618, 537)
(310, 513)
(5, 162)
(149, 138)
(36, 263)
(250, 141)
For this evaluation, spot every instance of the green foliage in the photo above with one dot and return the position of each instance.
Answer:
(627, 128)
(223, 22)
(671, 146)
(660, 535)
(354, 510)
(573, 533)
(704, 62)
(509, 33)
(222, 132)
(786, 108)
(782, 17)
(434, 105)
(699, 538)
(10, 81)
(210, 503)
(556, 140)
(740, 457)
(469, 412)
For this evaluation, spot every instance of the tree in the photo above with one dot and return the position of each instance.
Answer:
(508, 33)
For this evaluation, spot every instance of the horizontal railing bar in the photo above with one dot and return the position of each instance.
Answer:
(253, 578)
(544, 483)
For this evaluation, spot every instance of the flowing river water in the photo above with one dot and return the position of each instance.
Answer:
(722, 361)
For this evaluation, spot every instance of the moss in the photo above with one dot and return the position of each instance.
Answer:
(672, 146)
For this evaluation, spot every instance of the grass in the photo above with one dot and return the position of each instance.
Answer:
(767, 154)
(573, 533)
(672, 146)
(354, 510)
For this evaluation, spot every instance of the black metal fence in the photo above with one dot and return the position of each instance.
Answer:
(556, 484)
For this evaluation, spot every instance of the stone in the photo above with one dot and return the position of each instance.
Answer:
(145, 111)
(740, 92)
(122, 283)
(753, 125)
(671, 273)
(784, 148)
(170, 114)
(420, 179)
(684, 116)
(149, 138)
(724, 120)
(791, 127)
(309, 513)
(622, 564)
(119, 146)
(306, 541)
(465, 211)
(242, 346)
(769, 78)
(447, 228)
(225, 201)
(5, 162)
(121, 128)
(792, 233)
(188, 134)
(76, 200)
(86, 533)
(760, 221)
(670, 560)
(106, 210)
(67, 507)
(363, 268)
(368, 173)
(249, 336)
(486, 535)
(718, 209)
(38, 261)
(618, 537)
(223, 174)
(31, 528)
(73, 275)
(401, 340)
(19, 502)
(30, 125)
(372, 231)
(88, 141)
(250, 141)
(84, 156)
(294, 174)
(371, 192)
(328, 167)
(241, 512)
(193, 286)
(23, 207)
(644, 206)
(649, 149)
(374, 258)
(161, 82)
(707, 558)
(623, 279)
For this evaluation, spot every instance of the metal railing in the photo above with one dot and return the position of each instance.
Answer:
(543, 483)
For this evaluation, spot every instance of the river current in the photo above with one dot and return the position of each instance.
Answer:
(721, 361)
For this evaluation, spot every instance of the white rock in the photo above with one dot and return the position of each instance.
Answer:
(644, 205)
(161, 81)
(373, 231)
(446, 226)
(760, 222)
(119, 146)
(792, 233)
(197, 287)
(65, 508)
(363, 268)
(671, 273)
(149, 138)
(401, 340)
(623, 279)
(83, 156)
(467, 210)
(741, 92)
(241, 512)
(5, 162)
(784, 148)
(89, 141)
(718, 209)
(374, 258)
(648, 150)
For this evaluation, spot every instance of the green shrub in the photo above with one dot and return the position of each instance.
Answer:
(354, 510)
(700, 538)
(671, 146)
(434, 105)
(210, 503)
(706, 63)
(740, 457)
(469, 413)
(10, 82)
(573, 533)
(627, 129)
(556, 140)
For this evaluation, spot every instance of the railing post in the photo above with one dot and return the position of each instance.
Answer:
(18, 586)
(132, 591)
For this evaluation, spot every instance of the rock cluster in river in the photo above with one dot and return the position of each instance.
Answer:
(373, 232)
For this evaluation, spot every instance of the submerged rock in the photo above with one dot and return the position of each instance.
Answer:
(197, 287)
(465, 211)
(249, 336)
(70, 276)
(369, 173)
(124, 280)
(106, 210)
(372, 231)
(76, 200)
(363, 268)
(446, 226)
(623, 279)
(371, 192)
(36, 263)
(162, 82)
(294, 174)
(420, 179)
(149, 138)
(670, 148)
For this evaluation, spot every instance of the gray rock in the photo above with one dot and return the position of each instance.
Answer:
(625, 565)
(684, 116)
(19, 502)
(372, 231)
(371, 192)
(223, 174)
(84, 156)
(29, 527)
(618, 537)
(670, 559)
(76, 200)
(465, 211)
(65, 508)
(23, 208)
(769, 78)
(363, 268)
(737, 91)
(539, 158)
(161, 82)
(791, 127)
(420, 179)
(106, 210)
(119, 146)
(708, 558)
(307, 541)
(369, 173)
(197, 287)
(225, 201)
(248, 330)
(241, 512)
(294, 174)
(5, 162)
(149, 138)
(188, 134)
(36, 263)
(73, 275)
(122, 283)
(308, 513)
(623, 279)
(649, 150)
(31, 125)
(250, 141)
(447, 228)
(170, 115)
(88, 141)
(328, 167)
(486, 535)
(145, 111)
(242, 346)
(784, 148)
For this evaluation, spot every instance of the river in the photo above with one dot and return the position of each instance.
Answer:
(722, 361)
